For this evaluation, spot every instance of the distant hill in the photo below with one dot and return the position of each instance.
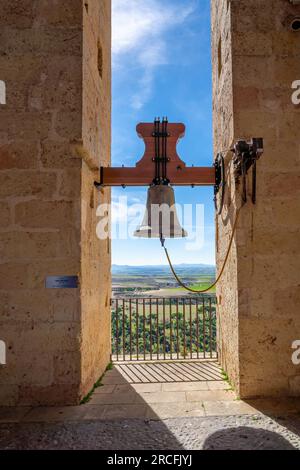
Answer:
(181, 269)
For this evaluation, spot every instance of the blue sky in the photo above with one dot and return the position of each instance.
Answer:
(162, 67)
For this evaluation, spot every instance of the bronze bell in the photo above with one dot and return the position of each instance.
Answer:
(160, 219)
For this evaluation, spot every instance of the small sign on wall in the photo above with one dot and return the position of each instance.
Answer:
(2, 92)
(62, 282)
(2, 353)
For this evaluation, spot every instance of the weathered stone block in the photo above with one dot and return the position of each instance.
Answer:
(35, 368)
(5, 218)
(286, 44)
(41, 41)
(67, 368)
(68, 125)
(13, 276)
(22, 183)
(26, 305)
(70, 183)
(294, 385)
(35, 245)
(39, 270)
(252, 44)
(59, 155)
(47, 214)
(26, 126)
(289, 184)
(250, 123)
(9, 395)
(16, 13)
(22, 155)
(34, 337)
(65, 306)
(55, 394)
(65, 14)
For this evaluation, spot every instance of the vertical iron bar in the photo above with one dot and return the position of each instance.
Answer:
(130, 327)
(184, 328)
(124, 345)
(144, 332)
(164, 326)
(215, 333)
(156, 151)
(191, 331)
(197, 327)
(157, 148)
(137, 329)
(171, 339)
(117, 328)
(150, 329)
(254, 182)
(204, 338)
(177, 325)
(166, 137)
(210, 328)
(157, 329)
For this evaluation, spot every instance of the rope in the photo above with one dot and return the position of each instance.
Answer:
(195, 291)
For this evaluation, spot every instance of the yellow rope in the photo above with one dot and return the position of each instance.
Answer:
(195, 291)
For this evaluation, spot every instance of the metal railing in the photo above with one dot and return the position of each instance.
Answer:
(163, 328)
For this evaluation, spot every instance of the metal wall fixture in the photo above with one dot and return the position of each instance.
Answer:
(295, 24)
(245, 157)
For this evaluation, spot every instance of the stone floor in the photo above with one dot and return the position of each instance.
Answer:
(187, 403)
(214, 432)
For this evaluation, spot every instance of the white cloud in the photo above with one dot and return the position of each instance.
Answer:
(124, 208)
(135, 21)
(139, 29)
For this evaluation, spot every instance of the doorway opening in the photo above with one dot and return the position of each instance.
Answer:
(153, 319)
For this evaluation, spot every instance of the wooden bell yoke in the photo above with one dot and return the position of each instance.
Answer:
(160, 163)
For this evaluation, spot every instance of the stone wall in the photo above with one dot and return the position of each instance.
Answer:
(96, 136)
(260, 292)
(55, 131)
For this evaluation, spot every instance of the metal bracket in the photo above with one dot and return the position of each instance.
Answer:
(220, 184)
(100, 184)
(246, 155)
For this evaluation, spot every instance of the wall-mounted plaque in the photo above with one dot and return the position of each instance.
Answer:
(62, 282)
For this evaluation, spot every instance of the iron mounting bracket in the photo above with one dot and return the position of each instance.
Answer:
(246, 154)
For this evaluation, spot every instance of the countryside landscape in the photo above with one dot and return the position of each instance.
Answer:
(158, 281)
(153, 317)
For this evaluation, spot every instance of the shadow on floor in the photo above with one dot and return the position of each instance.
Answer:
(246, 438)
(89, 435)
(175, 371)
(170, 406)
(284, 411)
(158, 391)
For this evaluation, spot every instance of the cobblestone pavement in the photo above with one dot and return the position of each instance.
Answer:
(222, 432)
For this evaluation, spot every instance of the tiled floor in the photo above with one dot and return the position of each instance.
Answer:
(155, 391)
